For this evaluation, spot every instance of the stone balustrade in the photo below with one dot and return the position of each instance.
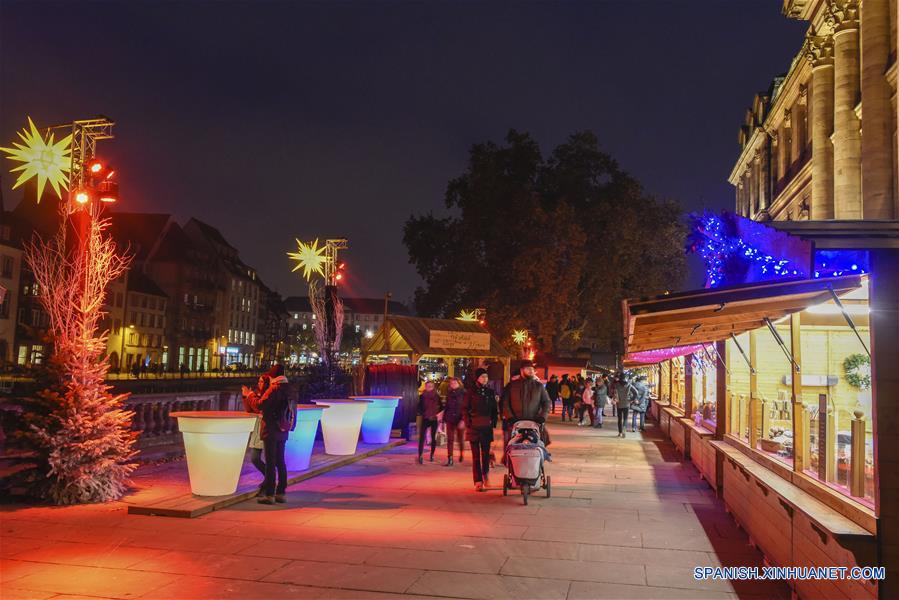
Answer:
(152, 413)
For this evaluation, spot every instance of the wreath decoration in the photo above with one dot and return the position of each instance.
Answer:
(858, 371)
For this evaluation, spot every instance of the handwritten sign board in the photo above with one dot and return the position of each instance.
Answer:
(459, 340)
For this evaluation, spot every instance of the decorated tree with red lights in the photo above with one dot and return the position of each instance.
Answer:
(86, 435)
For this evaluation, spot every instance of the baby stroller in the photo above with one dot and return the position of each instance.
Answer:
(524, 459)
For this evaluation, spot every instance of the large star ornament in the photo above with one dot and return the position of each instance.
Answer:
(42, 158)
(310, 258)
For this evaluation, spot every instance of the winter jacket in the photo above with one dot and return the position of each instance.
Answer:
(565, 389)
(429, 404)
(525, 399)
(622, 394)
(552, 388)
(250, 403)
(480, 412)
(640, 397)
(452, 410)
(588, 396)
(272, 405)
(601, 393)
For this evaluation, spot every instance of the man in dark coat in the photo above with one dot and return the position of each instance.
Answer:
(552, 388)
(480, 413)
(524, 399)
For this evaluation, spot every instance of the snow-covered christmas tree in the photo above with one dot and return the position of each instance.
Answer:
(86, 436)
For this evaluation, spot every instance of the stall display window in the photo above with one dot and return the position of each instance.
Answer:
(677, 383)
(704, 390)
(774, 371)
(664, 370)
(738, 388)
(836, 393)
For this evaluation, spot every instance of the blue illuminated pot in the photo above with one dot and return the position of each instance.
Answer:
(378, 420)
(298, 451)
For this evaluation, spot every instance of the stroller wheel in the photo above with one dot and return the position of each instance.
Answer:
(525, 492)
(548, 486)
(506, 484)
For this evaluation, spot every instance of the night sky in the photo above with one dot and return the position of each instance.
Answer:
(276, 120)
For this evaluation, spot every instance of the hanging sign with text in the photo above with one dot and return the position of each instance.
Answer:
(461, 340)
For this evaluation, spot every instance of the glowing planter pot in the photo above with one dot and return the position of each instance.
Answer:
(378, 419)
(341, 424)
(298, 451)
(215, 443)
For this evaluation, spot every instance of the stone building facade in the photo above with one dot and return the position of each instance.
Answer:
(820, 143)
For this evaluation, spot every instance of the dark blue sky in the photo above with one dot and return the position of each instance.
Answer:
(275, 120)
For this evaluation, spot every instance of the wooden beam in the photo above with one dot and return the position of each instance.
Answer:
(800, 434)
(755, 413)
(722, 383)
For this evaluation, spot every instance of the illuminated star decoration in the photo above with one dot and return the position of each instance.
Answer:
(310, 258)
(467, 315)
(520, 336)
(42, 158)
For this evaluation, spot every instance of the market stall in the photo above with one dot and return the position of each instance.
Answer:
(412, 339)
(789, 371)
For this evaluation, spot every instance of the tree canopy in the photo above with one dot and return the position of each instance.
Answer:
(549, 244)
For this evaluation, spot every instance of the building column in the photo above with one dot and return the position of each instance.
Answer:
(819, 52)
(847, 137)
(877, 118)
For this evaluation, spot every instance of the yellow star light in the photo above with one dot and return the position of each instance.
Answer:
(520, 336)
(467, 315)
(310, 258)
(41, 158)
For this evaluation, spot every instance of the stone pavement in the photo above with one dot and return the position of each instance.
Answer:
(627, 519)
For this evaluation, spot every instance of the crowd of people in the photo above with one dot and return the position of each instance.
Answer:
(468, 412)
(474, 410)
(584, 399)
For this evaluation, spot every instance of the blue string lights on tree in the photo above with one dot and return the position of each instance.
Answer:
(737, 250)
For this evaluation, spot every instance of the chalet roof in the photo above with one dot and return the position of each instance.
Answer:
(709, 315)
(412, 336)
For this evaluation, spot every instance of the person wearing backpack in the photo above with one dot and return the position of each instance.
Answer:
(565, 392)
(277, 421)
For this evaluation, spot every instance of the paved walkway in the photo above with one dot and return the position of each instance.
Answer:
(626, 520)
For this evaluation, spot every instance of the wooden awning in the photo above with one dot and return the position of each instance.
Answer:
(709, 315)
(412, 337)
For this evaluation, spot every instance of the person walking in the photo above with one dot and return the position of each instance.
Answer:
(480, 413)
(587, 403)
(523, 399)
(639, 404)
(251, 400)
(429, 406)
(566, 391)
(601, 399)
(552, 388)
(622, 393)
(274, 432)
(452, 419)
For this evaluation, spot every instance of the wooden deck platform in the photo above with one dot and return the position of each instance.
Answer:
(187, 505)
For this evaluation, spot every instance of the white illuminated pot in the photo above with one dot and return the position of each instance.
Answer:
(378, 419)
(215, 442)
(298, 451)
(341, 424)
